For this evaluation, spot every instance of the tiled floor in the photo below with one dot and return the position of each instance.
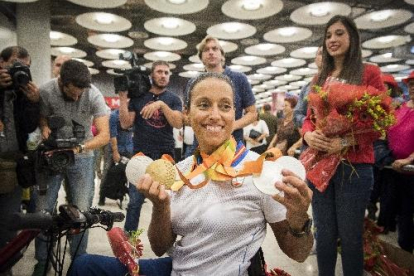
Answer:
(98, 244)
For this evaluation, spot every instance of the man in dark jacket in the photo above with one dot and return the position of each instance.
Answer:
(19, 115)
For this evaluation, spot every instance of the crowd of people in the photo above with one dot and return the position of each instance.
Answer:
(217, 123)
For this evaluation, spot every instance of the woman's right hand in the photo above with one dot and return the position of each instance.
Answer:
(317, 140)
(152, 190)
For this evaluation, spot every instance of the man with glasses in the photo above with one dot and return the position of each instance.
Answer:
(72, 98)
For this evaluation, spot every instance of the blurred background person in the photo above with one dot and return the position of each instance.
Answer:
(271, 121)
(401, 142)
(287, 133)
(255, 135)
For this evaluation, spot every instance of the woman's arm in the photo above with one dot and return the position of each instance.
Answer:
(160, 232)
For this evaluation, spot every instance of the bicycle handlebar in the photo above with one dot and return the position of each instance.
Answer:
(70, 217)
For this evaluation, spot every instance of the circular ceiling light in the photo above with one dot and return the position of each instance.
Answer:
(194, 59)
(386, 42)
(231, 30)
(101, 4)
(61, 39)
(366, 53)
(189, 74)
(104, 22)
(116, 64)
(93, 71)
(251, 9)
(409, 28)
(228, 46)
(248, 60)
(110, 41)
(69, 51)
(275, 82)
(382, 19)
(306, 52)
(299, 83)
(287, 34)
(265, 49)
(411, 2)
(177, 6)
(288, 77)
(258, 76)
(304, 71)
(110, 53)
(384, 58)
(84, 61)
(194, 67)
(271, 70)
(112, 72)
(169, 26)
(319, 13)
(165, 44)
(240, 68)
(289, 62)
(162, 55)
(394, 68)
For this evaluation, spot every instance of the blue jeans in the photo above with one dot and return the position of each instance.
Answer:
(80, 178)
(95, 265)
(339, 214)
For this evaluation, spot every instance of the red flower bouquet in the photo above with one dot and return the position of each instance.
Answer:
(127, 249)
(340, 109)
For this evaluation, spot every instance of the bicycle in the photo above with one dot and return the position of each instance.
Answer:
(70, 220)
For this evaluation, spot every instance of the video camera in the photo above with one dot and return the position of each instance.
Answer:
(135, 80)
(20, 74)
(56, 153)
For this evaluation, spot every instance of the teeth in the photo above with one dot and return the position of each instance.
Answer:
(213, 128)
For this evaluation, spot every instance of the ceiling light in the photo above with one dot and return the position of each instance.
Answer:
(380, 15)
(288, 31)
(310, 50)
(392, 66)
(265, 46)
(387, 55)
(166, 41)
(170, 23)
(104, 18)
(288, 60)
(162, 54)
(177, 2)
(249, 58)
(386, 39)
(111, 38)
(251, 5)
(116, 52)
(119, 62)
(55, 35)
(320, 11)
(231, 28)
(67, 50)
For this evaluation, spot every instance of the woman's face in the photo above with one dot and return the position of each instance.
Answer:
(287, 109)
(337, 40)
(212, 113)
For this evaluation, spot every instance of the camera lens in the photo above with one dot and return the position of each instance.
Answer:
(21, 78)
(60, 160)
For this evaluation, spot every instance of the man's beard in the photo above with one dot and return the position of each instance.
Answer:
(157, 85)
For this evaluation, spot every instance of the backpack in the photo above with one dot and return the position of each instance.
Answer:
(114, 186)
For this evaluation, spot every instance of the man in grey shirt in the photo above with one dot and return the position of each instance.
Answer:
(72, 97)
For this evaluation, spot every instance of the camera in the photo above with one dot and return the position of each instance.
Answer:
(135, 80)
(56, 153)
(20, 74)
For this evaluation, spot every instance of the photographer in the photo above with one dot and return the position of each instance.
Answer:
(72, 98)
(153, 115)
(19, 109)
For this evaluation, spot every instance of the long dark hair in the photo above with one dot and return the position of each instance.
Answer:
(352, 69)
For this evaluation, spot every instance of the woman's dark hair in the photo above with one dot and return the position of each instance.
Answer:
(352, 69)
(204, 76)
(76, 73)
(292, 100)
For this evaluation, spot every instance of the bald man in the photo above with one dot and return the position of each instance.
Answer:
(57, 64)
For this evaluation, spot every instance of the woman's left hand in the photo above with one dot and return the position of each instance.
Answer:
(399, 163)
(297, 198)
